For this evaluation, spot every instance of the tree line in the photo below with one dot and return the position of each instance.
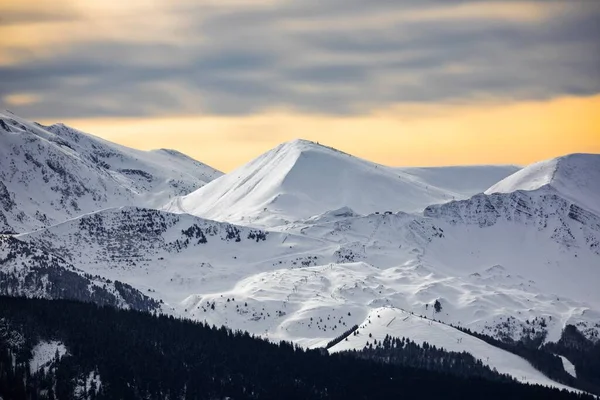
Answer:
(136, 355)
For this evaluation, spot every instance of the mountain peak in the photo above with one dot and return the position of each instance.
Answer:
(304, 145)
(299, 142)
(300, 179)
(576, 177)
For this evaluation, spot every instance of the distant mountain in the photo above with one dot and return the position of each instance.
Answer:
(537, 227)
(51, 173)
(461, 181)
(301, 179)
(574, 177)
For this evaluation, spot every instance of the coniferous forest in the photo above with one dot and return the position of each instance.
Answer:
(120, 354)
(582, 352)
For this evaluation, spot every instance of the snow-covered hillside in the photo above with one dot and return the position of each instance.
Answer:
(574, 177)
(529, 256)
(388, 321)
(541, 230)
(306, 241)
(170, 256)
(337, 262)
(50, 174)
(29, 271)
(300, 179)
(461, 181)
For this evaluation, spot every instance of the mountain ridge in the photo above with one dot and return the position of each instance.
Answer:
(81, 173)
(300, 179)
(576, 177)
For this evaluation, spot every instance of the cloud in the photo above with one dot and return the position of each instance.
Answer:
(342, 57)
(20, 99)
(443, 12)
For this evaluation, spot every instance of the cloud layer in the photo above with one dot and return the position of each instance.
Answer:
(97, 58)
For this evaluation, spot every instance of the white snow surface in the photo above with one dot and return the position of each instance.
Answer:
(568, 366)
(398, 323)
(44, 353)
(341, 263)
(301, 179)
(575, 177)
(461, 181)
(52, 173)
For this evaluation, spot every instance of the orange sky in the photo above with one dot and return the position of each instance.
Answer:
(404, 135)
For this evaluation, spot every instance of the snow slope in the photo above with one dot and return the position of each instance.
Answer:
(338, 262)
(50, 174)
(461, 181)
(170, 256)
(156, 175)
(316, 301)
(575, 177)
(300, 179)
(44, 353)
(542, 230)
(568, 366)
(31, 271)
(398, 323)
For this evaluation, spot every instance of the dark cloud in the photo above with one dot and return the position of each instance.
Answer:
(15, 17)
(318, 56)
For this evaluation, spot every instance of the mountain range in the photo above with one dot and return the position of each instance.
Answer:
(301, 179)
(306, 241)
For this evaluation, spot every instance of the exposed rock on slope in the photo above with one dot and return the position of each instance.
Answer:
(26, 270)
(50, 174)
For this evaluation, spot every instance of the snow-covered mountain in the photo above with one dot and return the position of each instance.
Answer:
(50, 174)
(574, 177)
(404, 261)
(338, 262)
(301, 179)
(314, 280)
(29, 271)
(306, 241)
(461, 181)
(171, 255)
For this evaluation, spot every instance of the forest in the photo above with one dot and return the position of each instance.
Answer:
(123, 354)
(582, 352)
